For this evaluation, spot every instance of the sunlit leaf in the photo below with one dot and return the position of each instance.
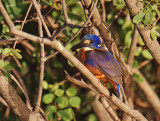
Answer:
(75, 101)
(71, 91)
(138, 51)
(53, 87)
(153, 35)
(4, 28)
(148, 18)
(45, 85)
(139, 17)
(54, 14)
(17, 54)
(128, 39)
(6, 51)
(2, 64)
(62, 102)
(92, 117)
(59, 92)
(146, 54)
(47, 98)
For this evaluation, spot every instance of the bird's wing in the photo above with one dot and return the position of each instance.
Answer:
(107, 64)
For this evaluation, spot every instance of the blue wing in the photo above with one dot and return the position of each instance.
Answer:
(107, 64)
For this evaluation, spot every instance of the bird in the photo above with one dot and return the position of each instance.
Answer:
(99, 61)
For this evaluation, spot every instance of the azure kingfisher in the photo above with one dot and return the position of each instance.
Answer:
(99, 61)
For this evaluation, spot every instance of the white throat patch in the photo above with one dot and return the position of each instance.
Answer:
(87, 48)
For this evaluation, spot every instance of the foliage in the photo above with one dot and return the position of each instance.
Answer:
(62, 100)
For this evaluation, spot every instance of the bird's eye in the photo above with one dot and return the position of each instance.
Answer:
(91, 41)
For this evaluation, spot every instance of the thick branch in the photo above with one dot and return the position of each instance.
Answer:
(57, 45)
(13, 100)
(148, 92)
(152, 45)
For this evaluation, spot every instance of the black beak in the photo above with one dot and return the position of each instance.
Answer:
(79, 45)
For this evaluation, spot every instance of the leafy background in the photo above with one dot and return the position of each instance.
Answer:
(63, 100)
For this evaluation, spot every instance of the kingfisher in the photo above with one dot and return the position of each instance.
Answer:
(99, 61)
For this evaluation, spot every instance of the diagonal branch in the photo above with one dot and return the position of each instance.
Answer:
(57, 45)
(148, 92)
(9, 94)
(152, 45)
(40, 16)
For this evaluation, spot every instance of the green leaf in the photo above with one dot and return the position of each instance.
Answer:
(148, 18)
(75, 101)
(70, 112)
(153, 35)
(45, 85)
(50, 110)
(8, 66)
(59, 92)
(62, 102)
(16, 8)
(154, 7)
(71, 91)
(138, 51)
(4, 29)
(74, 30)
(1, 50)
(92, 117)
(135, 63)
(54, 14)
(86, 109)
(6, 51)
(139, 17)
(140, 41)
(7, 76)
(7, 37)
(128, 39)
(63, 115)
(157, 31)
(2, 64)
(53, 87)
(47, 98)
(17, 54)
(138, 77)
(146, 54)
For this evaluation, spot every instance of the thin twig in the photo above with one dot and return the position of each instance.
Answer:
(103, 10)
(3, 102)
(19, 85)
(40, 16)
(132, 48)
(29, 8)
(57, 45)
(42, 62)
(52, 55)
(23, 86)
(143, 64)
(67, 20)
(23, 23)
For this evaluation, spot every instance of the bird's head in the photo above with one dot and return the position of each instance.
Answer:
(89, 42)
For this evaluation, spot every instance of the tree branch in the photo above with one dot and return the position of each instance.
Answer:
(152, 45)
(148, 92)
(55, 44)
(13, 100)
